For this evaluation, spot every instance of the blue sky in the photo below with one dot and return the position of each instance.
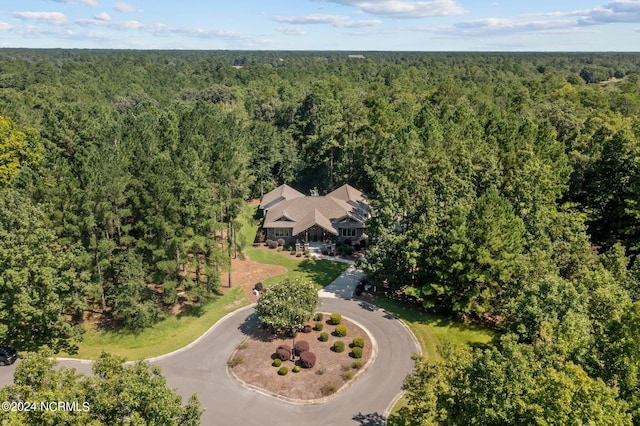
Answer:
(360, 25)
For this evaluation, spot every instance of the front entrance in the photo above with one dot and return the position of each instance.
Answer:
(315, 234)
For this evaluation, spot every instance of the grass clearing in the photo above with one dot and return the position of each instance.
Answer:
(166, 336)
(432, 330)
(320, 272)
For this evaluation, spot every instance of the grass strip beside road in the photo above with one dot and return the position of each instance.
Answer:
(168, 335)
(433, 330)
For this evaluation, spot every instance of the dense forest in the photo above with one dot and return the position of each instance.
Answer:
(505, 188)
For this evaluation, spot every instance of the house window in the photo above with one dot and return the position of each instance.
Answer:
(282, 232)
(347, 232)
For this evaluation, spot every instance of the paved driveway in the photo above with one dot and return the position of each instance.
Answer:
(201, 368)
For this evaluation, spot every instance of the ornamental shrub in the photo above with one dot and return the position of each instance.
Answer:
(301, 347)
(341, 330)
(277, 362)
(328, 389)
(296, 369)
(307, 328)
(308, 359)
(284, 352)
(280, 241)
(323, 337)
(283, 371)
(319, 326)
(358, 342)
(319, 316)
(356, 365)
(335, 319)
(235, 361)
(272, 244)
(338, 346)
(356, 352)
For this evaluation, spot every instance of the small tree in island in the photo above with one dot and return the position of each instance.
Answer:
(288, 304)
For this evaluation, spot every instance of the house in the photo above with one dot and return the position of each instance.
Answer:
(293, 216)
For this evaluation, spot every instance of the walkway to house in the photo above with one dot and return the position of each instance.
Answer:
(343, 286)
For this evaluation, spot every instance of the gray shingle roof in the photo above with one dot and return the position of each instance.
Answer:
(300, 212)
(281, 193)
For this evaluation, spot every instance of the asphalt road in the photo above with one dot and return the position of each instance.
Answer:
(201, 368)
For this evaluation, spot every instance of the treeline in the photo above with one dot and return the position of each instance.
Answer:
(504, 187)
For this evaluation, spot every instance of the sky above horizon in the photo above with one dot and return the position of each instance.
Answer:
(354, 25)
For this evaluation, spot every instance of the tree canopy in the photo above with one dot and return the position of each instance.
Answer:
(115, 394)
(288, 304)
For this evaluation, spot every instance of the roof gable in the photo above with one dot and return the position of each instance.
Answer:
(345, 204)
(282, 193)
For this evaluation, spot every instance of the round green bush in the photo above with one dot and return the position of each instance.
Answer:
(338, 346)
(296, 369)
(277, 362)
(335, 319)
(358, 342)
(341, 330)
(356, 352)
(319, 326)
(324, 337)
(283, 371)
(319, 316)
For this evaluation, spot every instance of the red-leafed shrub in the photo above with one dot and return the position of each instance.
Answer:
(307, 328)
(272, 244)
(308, 359)
(280, 241)
(284, 352)
(301, 347)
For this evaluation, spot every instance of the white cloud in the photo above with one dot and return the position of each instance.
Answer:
(338, 21)
(125, 8)
(620, 11)
(403, 9)
(39, 32)
(238, 39)
(54, 18)
(90, 3)
(104, 16)
(5, 26)
(295, 31)
(614, 12)
(102, 21)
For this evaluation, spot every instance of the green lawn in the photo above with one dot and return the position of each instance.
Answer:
(432, 330)
(320, 272)
(179, 330)
(166, 336)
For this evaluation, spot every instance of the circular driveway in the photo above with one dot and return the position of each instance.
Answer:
(201, 369)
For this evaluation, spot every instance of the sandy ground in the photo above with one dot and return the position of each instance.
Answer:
(247, 273)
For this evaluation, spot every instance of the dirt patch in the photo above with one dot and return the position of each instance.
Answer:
(332, 369)
(247, 273)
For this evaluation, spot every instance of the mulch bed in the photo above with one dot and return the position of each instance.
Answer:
(332, 372)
